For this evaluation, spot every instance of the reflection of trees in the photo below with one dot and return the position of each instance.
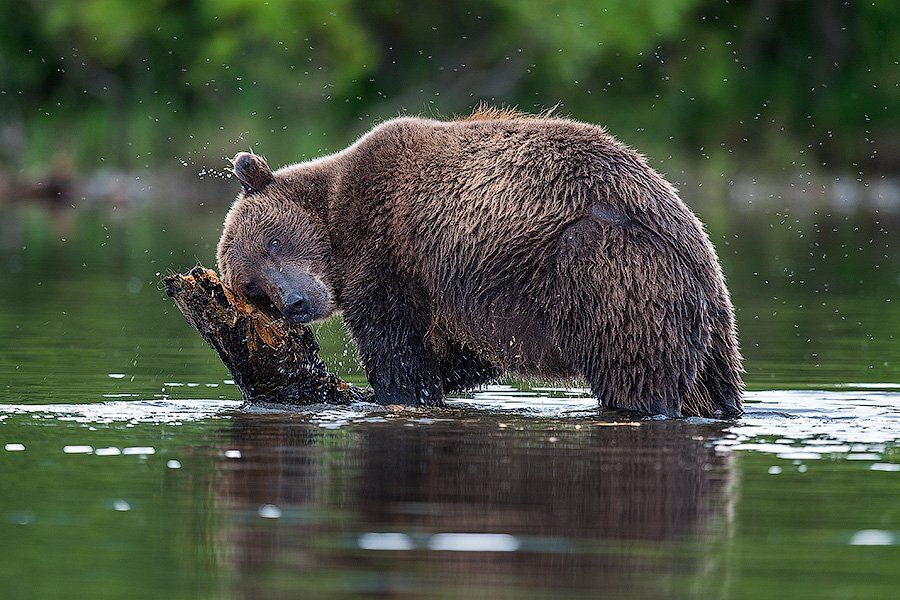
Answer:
(601, 509)
(81, 293)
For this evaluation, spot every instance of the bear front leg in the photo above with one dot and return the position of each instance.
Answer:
(400, 365)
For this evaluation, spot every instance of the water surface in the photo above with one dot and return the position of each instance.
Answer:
(128, 469)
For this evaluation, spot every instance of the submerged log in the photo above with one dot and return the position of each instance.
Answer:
(271, 359)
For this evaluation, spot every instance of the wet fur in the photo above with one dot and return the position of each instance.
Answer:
(502, 242)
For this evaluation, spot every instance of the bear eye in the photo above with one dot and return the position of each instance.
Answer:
(274, 244)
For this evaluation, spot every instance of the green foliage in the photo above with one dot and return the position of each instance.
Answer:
(113, 82)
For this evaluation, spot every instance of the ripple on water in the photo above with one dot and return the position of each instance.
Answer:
(807, 425)
(798, 425)
(269, 511)
(889, 467)
(137, 411)
(874, 537)
(78, 449)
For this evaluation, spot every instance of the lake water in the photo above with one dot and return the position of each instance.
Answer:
(128, 469)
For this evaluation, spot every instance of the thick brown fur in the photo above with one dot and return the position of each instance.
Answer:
(496, 243)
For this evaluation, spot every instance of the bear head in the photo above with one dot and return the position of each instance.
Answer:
(274, 249)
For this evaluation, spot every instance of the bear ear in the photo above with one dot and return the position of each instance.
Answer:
(252, 171)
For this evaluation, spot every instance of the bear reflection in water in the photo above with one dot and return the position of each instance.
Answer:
(600, 508)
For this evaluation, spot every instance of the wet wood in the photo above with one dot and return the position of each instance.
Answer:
(271, 359)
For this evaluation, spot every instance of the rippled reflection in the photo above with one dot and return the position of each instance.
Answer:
(477, 504)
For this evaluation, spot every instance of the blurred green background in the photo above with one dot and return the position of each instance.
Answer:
(783, 85)
(778, 121)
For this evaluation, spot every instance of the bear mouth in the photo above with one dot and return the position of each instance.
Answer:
(301, 319)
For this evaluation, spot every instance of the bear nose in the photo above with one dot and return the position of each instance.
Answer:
(297, 307)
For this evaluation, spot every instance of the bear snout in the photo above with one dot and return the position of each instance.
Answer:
(297, 307)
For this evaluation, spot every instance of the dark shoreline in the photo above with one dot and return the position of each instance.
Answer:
(843, 192)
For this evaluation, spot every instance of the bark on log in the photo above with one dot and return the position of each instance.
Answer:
(271, 359)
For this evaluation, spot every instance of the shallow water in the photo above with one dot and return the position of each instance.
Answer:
(128, 469)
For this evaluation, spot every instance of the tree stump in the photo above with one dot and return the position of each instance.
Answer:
(271, 359)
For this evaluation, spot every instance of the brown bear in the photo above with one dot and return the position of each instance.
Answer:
(458, 251)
